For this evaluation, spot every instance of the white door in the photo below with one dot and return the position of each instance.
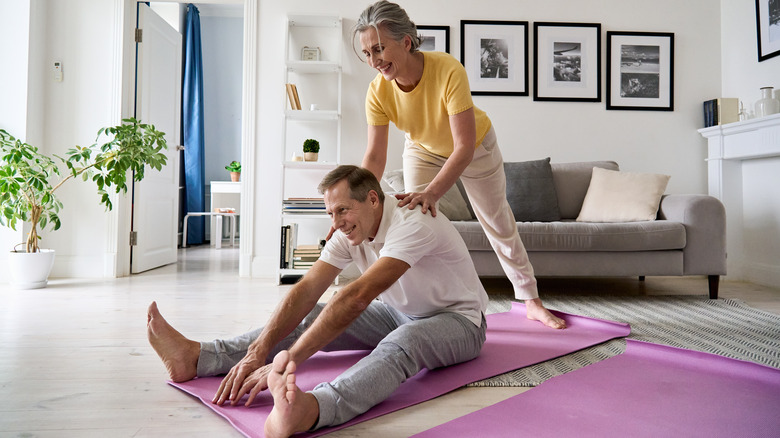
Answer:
(158, 102)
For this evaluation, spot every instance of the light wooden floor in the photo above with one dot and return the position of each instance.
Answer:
(76, 363)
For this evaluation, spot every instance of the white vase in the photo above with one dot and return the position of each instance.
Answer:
(30, 270)
(767, 105)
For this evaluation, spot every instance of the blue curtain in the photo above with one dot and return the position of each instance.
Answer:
(192, 119)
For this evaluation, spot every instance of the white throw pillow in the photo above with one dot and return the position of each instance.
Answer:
(615, 196)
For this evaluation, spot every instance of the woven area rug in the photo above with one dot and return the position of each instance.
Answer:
(725, 327)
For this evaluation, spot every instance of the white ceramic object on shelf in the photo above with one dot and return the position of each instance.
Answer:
(767, 105)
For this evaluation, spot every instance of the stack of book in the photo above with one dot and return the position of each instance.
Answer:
(303, 205)
(293, 255)
(304, 256)
(721, 111)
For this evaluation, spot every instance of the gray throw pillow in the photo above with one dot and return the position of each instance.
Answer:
(530, 191)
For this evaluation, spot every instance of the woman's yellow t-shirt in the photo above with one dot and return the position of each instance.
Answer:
(423, 113)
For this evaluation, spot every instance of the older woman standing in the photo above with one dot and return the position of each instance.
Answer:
(427, 95)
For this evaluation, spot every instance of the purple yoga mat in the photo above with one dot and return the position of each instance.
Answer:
(649, 391)
(512, 342)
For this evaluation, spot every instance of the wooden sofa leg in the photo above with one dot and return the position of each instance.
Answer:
(714, 281)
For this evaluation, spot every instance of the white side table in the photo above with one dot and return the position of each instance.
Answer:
(224, 194)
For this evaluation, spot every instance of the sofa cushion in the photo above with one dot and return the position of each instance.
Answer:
(571, 183)
(615, 196)
(452, 204)
(582, 236)
(530, 191)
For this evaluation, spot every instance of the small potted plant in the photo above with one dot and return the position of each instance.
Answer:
(311, 148)
(235, 170)
(29, 180)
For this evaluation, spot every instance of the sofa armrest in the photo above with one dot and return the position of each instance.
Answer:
(704, 218)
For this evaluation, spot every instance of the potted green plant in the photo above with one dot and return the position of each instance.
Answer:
(29, 179)
(235, 170)
(311, 148)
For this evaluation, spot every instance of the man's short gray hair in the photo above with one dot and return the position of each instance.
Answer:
(360, 181)
(393, 20)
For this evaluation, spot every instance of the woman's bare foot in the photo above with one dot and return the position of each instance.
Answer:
(294, 410)
(536, 311)
(179, 354)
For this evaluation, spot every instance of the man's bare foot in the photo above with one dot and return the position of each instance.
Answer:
(294, 410)
(536, 311)
(179, 354)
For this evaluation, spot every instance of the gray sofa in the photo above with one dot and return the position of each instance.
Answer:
(688, 236)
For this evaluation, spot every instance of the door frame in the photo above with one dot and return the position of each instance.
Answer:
(123, 97)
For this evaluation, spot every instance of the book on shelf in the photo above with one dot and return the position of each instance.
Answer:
(306, 257)
(721, 111)
(288, 242)
(292, 96)
(302, 265)
(302, 201)
(306, 252)
(283, 248)
(304, 210)
(310, 206)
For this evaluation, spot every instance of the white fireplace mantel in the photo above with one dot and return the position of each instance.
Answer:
(730, 147)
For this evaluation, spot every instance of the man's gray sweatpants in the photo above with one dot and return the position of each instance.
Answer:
(401, 347)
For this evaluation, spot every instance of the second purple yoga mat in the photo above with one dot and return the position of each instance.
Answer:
(512, 342)
(649, 391)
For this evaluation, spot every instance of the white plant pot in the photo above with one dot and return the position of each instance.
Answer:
(310, 156)
(30, 270)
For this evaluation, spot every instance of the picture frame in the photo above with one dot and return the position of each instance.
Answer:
(495, 55)
(640, 71)
(567, 62)
(768, 29)
(435, 38)
(310, 53)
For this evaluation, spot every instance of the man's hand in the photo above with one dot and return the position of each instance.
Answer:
(247, 377)
(425, 200)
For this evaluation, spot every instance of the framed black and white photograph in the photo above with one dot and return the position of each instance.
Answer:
(434, 38)
(640, 71)
(768, 28)
(567, 62)
(495, 54)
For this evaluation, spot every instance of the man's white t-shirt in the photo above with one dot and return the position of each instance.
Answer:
(442, 277)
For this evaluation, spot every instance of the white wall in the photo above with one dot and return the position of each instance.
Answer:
(55, 116)
(75, 32)
(222, 49)
(645, 141)
(14, 26)
(75, 110)
(743, 75)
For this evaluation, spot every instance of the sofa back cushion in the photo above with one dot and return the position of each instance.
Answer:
(571, 184)
(531, 192)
